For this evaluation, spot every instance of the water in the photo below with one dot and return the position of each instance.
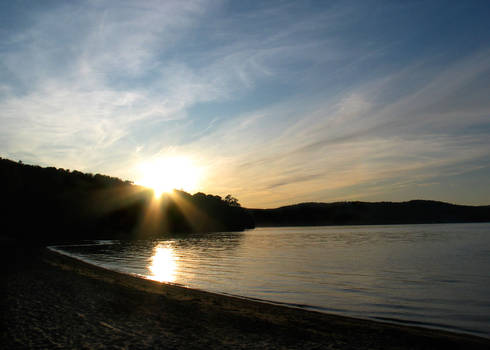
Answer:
(429, 275)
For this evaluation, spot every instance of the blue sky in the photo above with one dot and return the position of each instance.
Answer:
(276, 102)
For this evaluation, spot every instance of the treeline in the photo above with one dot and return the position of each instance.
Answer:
(50, 205)
(364, 213)
(57, 205)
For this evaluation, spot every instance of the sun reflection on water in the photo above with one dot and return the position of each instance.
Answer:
(163, 266)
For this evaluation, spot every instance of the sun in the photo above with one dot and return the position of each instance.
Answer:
(170, 173)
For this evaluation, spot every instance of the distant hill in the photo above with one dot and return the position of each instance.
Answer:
(365, 213)
(56, 205)
(50, 205)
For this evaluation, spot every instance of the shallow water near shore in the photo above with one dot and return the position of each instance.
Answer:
(427, 275)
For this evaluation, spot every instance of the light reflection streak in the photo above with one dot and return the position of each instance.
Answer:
(163, 266)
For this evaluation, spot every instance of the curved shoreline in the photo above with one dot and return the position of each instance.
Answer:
(182, 293)
(158, 288)
(59, 301)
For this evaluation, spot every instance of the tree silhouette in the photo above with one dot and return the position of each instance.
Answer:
(232, 201)
(50, 205)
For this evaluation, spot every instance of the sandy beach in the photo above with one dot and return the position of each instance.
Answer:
(52, 301)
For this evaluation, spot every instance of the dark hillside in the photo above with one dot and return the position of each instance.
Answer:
(364, 213)
(53, 205)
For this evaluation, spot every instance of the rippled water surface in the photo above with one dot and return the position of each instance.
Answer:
(430, 275)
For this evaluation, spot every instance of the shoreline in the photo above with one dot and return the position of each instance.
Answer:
(119, 310)
(96, 271)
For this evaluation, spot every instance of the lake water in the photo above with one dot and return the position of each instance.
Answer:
(428, 275)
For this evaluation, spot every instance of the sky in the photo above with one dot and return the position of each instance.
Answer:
(274, 102)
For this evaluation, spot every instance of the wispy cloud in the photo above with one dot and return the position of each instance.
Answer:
(84, 75)
(279, 102)
(365, 136)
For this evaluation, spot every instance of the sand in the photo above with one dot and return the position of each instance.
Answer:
(52, 301)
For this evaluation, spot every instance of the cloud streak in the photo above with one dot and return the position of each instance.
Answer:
(357, 140)
(279, 102)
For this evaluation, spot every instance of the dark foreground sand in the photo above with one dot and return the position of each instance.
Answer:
(52, 301)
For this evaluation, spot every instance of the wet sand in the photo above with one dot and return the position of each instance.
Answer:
(52, 301)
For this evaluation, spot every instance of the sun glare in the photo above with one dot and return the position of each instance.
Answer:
(169, 173)
(163, 264)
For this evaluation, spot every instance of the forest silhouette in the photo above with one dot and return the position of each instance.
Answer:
(366, 213)
(50, 205)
